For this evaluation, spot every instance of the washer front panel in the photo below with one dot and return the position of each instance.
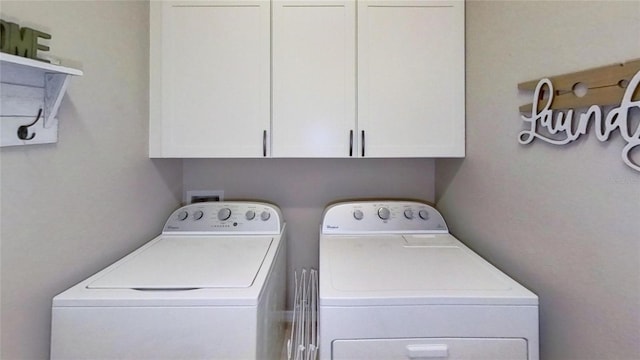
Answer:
(374, 217)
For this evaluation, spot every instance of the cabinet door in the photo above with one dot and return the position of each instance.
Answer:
(210, 70)
(411, 78)
(313, 78)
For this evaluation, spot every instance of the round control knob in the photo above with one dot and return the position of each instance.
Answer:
(250, 215)
(182, 215)
(384, 213)
(198, 215)
(358, 215)
(424, 214)
(265, 216)
(408, 214)
(224, 214)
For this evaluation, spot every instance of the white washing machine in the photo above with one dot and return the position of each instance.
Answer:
(394, 284)
(212, 286)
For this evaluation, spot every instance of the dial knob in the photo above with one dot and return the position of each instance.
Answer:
(224, 214)
(408, 214)
(250, 215)
(198, 215)
(358, 215)
(265, 216)
(424, 214)
(182, 215)
(384, 213)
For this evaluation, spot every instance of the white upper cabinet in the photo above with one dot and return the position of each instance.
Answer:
(209, 78)
(307, 78)
(411, 93)
(313, 78)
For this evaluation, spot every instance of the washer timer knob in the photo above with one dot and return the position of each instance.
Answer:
(384, 213)
(408, 214)
(250, 215)
(224, 214)
(265, 216)
(358, 215)
(424, 214)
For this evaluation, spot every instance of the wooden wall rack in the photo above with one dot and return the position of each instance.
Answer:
(599, 86)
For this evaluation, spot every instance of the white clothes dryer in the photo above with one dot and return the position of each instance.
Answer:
(212, 286)
(395, 284)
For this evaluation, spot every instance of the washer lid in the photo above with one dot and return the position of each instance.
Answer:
(410, 269)
(190, 262)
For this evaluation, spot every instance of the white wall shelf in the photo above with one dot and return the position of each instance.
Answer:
(26, 86)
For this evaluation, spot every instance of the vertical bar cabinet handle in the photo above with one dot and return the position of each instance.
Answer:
(351, 143)
(264, 143)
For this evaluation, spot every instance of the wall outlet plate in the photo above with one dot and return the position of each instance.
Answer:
(194, 196)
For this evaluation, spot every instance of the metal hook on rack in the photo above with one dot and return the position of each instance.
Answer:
(23, 131)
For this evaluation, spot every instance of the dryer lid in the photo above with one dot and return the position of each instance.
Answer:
(190, 262)
(404, 263)
(410, 269)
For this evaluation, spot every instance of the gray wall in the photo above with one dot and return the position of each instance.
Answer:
(71, 208)
(303, 187)
(562, 220)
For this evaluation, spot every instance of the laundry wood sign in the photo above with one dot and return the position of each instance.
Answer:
(552, 114)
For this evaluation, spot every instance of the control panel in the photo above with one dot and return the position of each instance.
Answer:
(233, 217)
(364, 217)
